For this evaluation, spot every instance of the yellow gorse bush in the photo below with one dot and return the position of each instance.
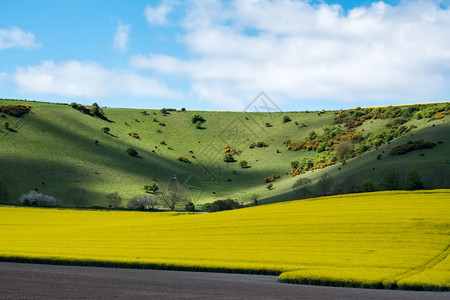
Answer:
(382, 239)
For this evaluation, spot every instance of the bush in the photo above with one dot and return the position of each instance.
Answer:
(411, 146)
(221, 205)
(143, 202)
(184, 159)
(228, 158)
(114, 200)
(286, 119)
(259, 144)
(106, 129)
(34, 198)
(189, 207)
(134, 135)
(151, 188)
(243, 164)
(77, 196)
(197, 118)
(368, 186)
(271, 178)
(132, 152)
(269, 186)
(6, 125)
(15, 110)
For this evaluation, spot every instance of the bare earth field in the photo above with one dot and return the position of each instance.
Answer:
(28, 281)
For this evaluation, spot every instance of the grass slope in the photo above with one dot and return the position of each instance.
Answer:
(53, 149)
(378, 240)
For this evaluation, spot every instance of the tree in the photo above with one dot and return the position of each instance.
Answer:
(301, 187)
(269, 186)
(368, 186)
(255, 199)
(151, 188)
(172, 195)
(325, 184)
(243, 164)
(413, 181)
(441, 179)
(197, 118)
(189, 207)
(34, 198)
(143, 202)
(106, 129)
(391, 180)
(114, 200)
(6, 125)
(286, 119)
(341, 150)
(77, 195)
(4, 197)
(132, 152)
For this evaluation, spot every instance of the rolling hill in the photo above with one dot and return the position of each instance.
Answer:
(54, 147)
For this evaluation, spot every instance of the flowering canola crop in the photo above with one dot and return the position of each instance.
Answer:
(382, 239)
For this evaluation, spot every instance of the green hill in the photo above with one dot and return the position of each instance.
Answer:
(55, 147)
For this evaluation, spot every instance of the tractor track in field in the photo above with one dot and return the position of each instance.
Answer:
(33, 281)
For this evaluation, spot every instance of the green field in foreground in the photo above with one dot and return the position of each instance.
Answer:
(379, 240)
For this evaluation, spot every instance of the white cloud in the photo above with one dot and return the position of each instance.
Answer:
(77, 79)
(295, 51)
(16, 38)
(157, 15)
(121, 36)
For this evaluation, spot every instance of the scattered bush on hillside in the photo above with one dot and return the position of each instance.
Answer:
(77, 196)
(228, 158)
(93, 111)
(151, 188)
(325, 184)
(183, 159)
(259, 144)
(221, 205)
(197, 118)
(269, 186)
(411, 146)
(4, 196)
(161, 124)
(34, 198)
(286, 119)
(134, 135)
(413, 181)
(17, 111)
(272, 178)
(190, 207)
(6, 125)
(344, 149)
(229, 150)
(163, 142)
(114, 200)
(243, 164)
(143, 202)
(132, 152)
(268, 124)
(106, 129)
(301, 187)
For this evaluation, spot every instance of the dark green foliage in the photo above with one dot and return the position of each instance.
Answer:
(183, 109)
(228, 158)
(4, 197)
(77, 196)
(106, 129)
(269, 186)
(15, 110)
(255, 199)
(367, 186)
(132, 152)
(295, 164)
(151, 188)
(271, 178)
(325, 184)
(413, 181)
(197, 118)
(94, 111)
(164, 111)
(114, 200)
(221, 205)
(286, 119)
(259, 144)
(391, 180)
(411, 146)
(189, 207)
(6, 125)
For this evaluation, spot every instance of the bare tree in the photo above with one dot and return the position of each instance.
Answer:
(325, 184)
(342, 149)
(172, 195)
(78, 196)
(114, 200)
(143, 202)
(441, 179)
(301, 187)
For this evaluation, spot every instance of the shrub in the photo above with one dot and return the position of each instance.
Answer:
(295, 164)
(183, 159)
(189, 207)
(228, 149)
(163, 142)
(228, 158)
(106, 129)
(197, 118)
(151, 188)
(134, 135)
(411, 146)
(221, 205)
(272, 178)
(243, 164)
(6, 125)
(183, 109)
(132, 152)
(198, 125)
(286, 119)
(77, 196)
(259, 144)
(34, 198)
(268, 124)
(269, 186)
(114, 200)
(162, 124)
(143, 202)
(17, 111)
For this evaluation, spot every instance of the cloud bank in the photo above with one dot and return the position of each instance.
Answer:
(310, 54)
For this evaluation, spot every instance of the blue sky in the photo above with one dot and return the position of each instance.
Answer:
(219, 55)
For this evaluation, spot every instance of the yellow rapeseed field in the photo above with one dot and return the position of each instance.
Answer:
(382, 239)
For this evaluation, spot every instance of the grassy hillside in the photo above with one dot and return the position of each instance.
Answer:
(379, 240)
(56, 147)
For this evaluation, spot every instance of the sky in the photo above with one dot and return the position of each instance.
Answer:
(220, 55)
